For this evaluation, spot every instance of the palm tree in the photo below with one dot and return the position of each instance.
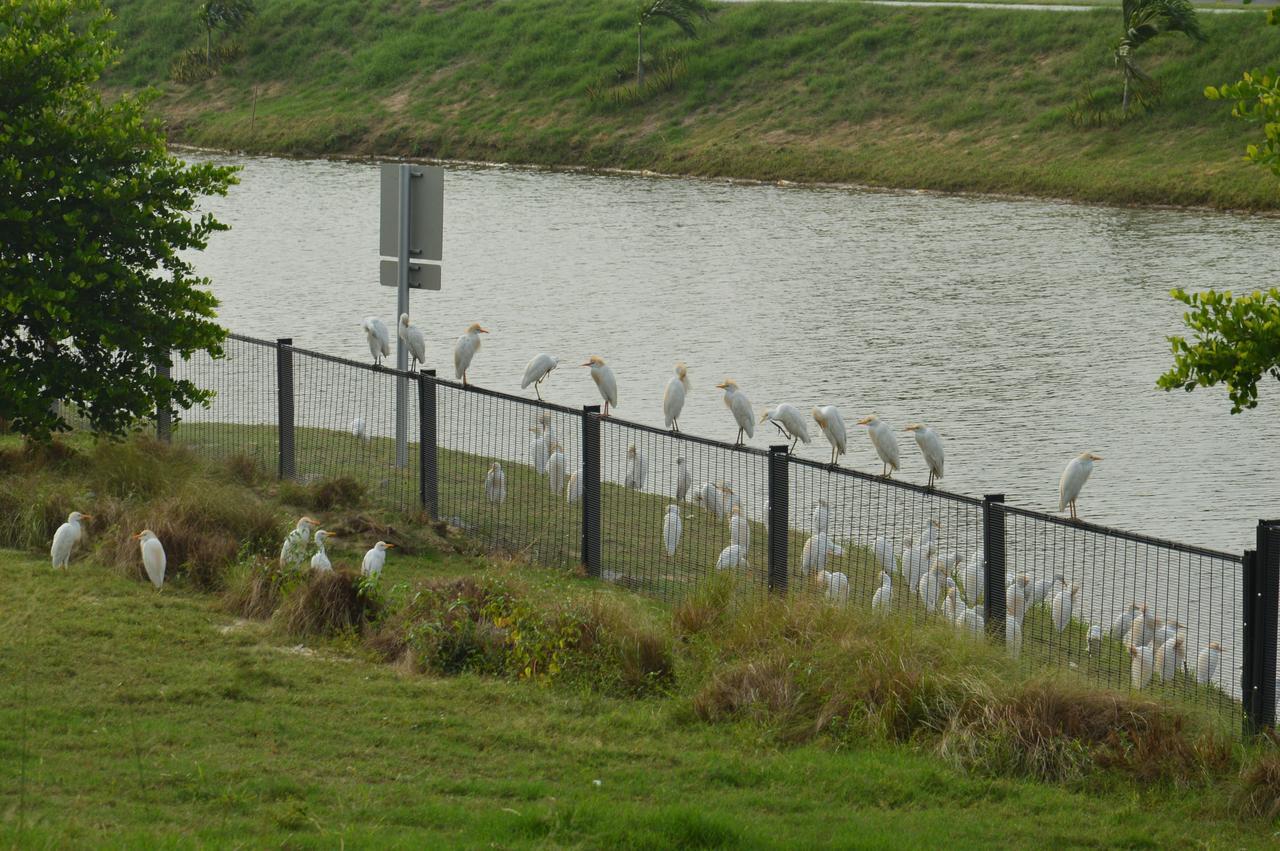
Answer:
(685, 14)
(1143, 21)
(222, 14)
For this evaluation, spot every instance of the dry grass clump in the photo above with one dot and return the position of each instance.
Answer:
(255, 589)
(705, 609)
(617, 653)
(31, 456)
(342, 492)
(327, 603)
(1258, 795)
(243, 469)
(141, 468)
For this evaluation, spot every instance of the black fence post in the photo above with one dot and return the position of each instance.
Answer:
(1267, 597)
(284, 399)
(993, 550)
(779, 511)
(591, 550)
(428, 462)
(1249, 650)
(164, 412)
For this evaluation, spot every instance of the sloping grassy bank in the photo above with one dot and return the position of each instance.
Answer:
(945, 98)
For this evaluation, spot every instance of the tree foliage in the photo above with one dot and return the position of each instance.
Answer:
(229, 15)
(1144, 20)
(94, 213)
(1257, 99)
(683, 13)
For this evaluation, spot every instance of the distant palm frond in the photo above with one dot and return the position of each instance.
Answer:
(1143, 21)
(684, 13)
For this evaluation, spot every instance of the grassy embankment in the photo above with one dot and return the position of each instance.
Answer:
(726, 722)
(948, 99)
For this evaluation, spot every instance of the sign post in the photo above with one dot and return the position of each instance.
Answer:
(412, 229)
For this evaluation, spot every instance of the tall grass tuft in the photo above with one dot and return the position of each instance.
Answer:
(1258, 794)
(327, 603)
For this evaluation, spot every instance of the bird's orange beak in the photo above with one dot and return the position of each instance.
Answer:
(483, 330)
(588, 363)
(389, 546)
(86, 516)
(135, 536)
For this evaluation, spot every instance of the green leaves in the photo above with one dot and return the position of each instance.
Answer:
(1236, 342)
(95, 215)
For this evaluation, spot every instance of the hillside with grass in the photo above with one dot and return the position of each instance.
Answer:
(987, 100)
(465, 700)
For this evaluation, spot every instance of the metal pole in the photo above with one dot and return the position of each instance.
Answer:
(284, 402)
(164, 413)
(402, 307)
(428, 464)
(592, 555)
(1268, 598)
(1249, 651)
(993, 550)
(779, 510)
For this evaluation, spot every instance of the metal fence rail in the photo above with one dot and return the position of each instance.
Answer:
(659, 512)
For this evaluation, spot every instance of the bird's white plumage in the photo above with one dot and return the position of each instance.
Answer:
(1073, 478)
(673, 398)
(1064, 603)
(375, 559)
(1142, 665)
(730, 557)
(1207, 663)
(884, 441)
(1122, 624)
(1046, 589)
(832, 424)
(1015, 598)
(606, 382)
(65, 539)
(740, 406)
(974, 577)
(882, 600)
(464, 350)
(495, 484)
(684, 479)
(819, 548)
(539, 448)
(972, 621)
(708, 496)
(414, 340)
(637, 469)
(821, 516)
(1013, 636)
(930, 587)
(379, 339)
(835, 585)
(1094, 639)
(573, 487)
(739, 530)
(557, 467)
(153, 558)
(930, 447)
(788, 418)
(293, 552)
(886, 557)
(672, 528)
(359, 431)
(951, 605)
(1166, 658)
(538, 369)
(915, 561)
(320, 560)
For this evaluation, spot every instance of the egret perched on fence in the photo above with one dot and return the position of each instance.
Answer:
(375, 559)
(684, 479)
(832, 424)
(886, 445)
(153, 558)
(495, 484)
(465, 349)
(65, 539)
(606, 383)
(414, 340)
(673, 398)
(537, 370)
(1073, 479)
(294, 549)
(672, 527)
(320, 561)
(375, 331)
(637, 468)
(788, 420)
(930, 447)
(740, 406)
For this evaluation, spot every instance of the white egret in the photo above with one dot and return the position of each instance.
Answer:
(821, 516)
(835, 585)
(465, 349)
(788, 420)
(930, 586)
(414, 340)
(557, 467)
(930, 447)
(816, 551)
(1121, 626)
(885, 555)
(672, 528)
(728, 500)
(495, 484)
(65, 539)
(951, 606)
(1141, 632)
(673, 399)
(708, 496)
(1141, 665)
(1013, 636)
(320, 561)
(1095, 639)
(1015, 598)
(1166, 658)
(153, 558)
(832, 424)
(974, 577)
(882, 600)
(1207, 663)
(637, 469)
(930, 533)
(730, 557)
(538, 369)
(886, 445)
(1164, 632)
(375, 559)
(740, 406)
(539, 448)
(573, 487)
(358, 430)
(1064, 603)
(1046, 589)
(684, 479)
(1073, 479)
(294, 549)
(739, 529)
(972, 621)
(915, 561)
(606, 383)
(375, 331)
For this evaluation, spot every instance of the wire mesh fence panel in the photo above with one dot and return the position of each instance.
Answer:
(1126, 611)
(242, 419)
(345, 426)
(719, 494)
(506, 472)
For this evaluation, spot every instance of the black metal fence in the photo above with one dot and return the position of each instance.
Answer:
(658, 512)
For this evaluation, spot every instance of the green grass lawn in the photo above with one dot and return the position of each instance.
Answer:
(136, 718)
(940, 98)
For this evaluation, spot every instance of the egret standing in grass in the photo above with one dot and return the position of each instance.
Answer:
(375, 331)
(930, 586)
(1015, 598)
(885, 555)
(573, 487)
(358, 430)
(557, 466)
(835, 585)
(65, 539)
(788, 420)
(537, 370)
(974, 576)
(465, 349)
(673, 399)
(739, 529)
(832, 424)
(684, 479)
(1166, 658)
(819, 547)
(740, 406)
(1073, 479)
(821, 516)
(375, 559)
(637, 469)
(708, 496)
(495, 484)
(320, 561)
(951, 606)
(153, 559)
(1094, 639)
(1013, 636)
(294, 549)
(414, 340)
(606, 383)
(730, 557)
(882, 600)
(886, 445)
(672, 527)
(1141, 665)
(1064, 604)
(539, 447)
(930, 447)
(1207, 663)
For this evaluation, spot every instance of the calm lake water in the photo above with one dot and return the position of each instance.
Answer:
(1024, 331)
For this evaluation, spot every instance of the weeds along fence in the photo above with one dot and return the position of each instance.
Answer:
(580, 489)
